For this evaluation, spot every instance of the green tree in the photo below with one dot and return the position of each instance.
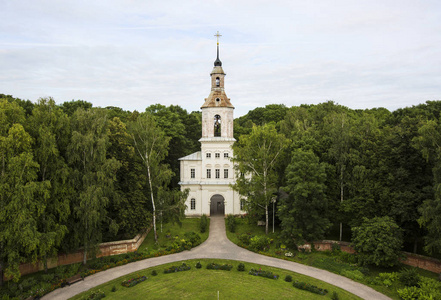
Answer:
(93, 174)
(303, 213)
(256, 157)
(151, 144)
(378, 241)
(49, 127)
(429, 142)
(19, 236)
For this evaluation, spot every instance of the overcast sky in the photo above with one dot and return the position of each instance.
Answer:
(131, 54)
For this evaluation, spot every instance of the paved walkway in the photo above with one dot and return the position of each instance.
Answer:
(216, 246)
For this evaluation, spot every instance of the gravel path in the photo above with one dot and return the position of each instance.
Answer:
(216, 246)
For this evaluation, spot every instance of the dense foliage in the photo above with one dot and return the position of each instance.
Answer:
(341, 165)
(72, 175)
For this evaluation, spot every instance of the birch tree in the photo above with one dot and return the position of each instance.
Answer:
(256, 157)
(151, 144)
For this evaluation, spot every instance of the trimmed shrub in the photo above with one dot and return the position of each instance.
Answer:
(174, 269)
(335, 296)
(262, 273)
(96, 295)
(114, 289)
(154, 273)
(203, 224)
(214, 266)
(231, 223)
(241, 267)
(133, 281)
(309, 287)
(288, 278)
(198, 265)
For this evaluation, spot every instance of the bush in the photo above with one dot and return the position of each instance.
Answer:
(203, 224)
(309, 287)
(154, 273)
(335, 296)
(408, 293)
(260, 243)
(409, 277)
(133, 281)
(262, 273)
(241, 267)
(193, 237)
(174, 269)
(214, 266)
(245, 238)
(378, 241)
(198, 265)
(231, 223)
(114, 289)
(96, 295)
(288, 278)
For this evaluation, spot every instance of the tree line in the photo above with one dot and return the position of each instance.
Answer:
(332, 169)
(73, 176)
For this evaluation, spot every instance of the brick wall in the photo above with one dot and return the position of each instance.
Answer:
(414, 260)
(106, 249)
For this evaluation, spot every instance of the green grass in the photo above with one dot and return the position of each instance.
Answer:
(188, 224)
(205, 284)
(339, 262)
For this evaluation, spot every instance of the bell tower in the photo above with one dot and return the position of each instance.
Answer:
(209, 173)
(217, 110)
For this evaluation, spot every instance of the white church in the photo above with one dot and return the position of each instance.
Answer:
(209, 172)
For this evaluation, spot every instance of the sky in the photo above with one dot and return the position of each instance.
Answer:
(131, 54)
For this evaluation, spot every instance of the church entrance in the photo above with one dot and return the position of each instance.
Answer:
(217, 206)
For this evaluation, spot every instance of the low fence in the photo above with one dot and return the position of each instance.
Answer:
(414, 260)
(105, 249)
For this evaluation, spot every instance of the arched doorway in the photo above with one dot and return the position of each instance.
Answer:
(217, 205)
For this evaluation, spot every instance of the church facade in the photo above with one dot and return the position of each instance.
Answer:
(208, 173)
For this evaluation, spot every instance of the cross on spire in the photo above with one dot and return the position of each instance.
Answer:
(218, 36)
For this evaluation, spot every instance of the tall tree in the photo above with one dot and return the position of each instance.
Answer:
(93, 174)
(151, 144)
(429, 142)
(256, 157)
(303, 214)
(49, 127)
(19, 236)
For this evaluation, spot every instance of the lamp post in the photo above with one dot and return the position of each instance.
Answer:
(273, 200)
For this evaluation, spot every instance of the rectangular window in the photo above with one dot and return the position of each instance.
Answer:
(208, 155)
(217, 155)
(225, 173)
(193, 204)
(242, 204)
(226, 155)
(217, 173)
(208, 173)
(193, 173)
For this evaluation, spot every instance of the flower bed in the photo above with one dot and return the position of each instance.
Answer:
(309, 287)
(174, 269)
(262, 273)
(133, 281)
(214, 266)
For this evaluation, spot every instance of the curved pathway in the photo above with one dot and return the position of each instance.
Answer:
(216, 246)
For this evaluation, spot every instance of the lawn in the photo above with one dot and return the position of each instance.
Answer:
(205, 284)
(337, 262)
(173, 230)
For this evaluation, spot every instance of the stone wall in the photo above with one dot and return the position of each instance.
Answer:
(106, 249)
